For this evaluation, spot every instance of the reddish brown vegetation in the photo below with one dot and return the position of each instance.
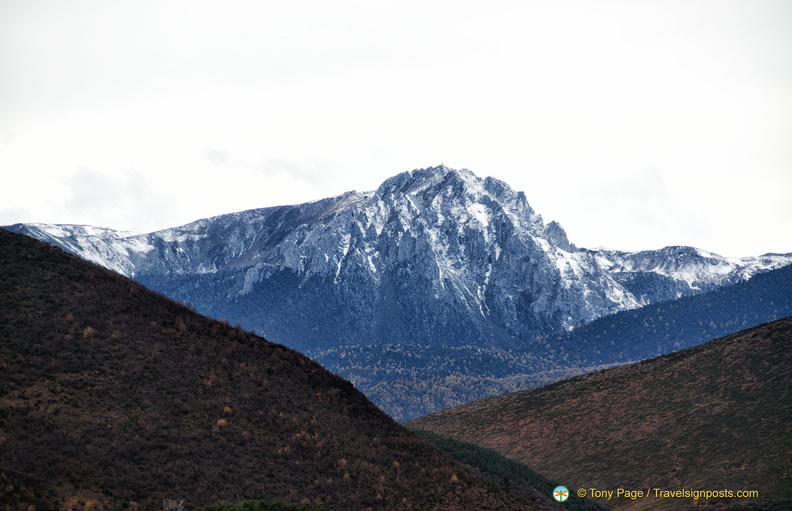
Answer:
(114, 397)
(712, 417)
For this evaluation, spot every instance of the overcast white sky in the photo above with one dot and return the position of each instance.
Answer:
(635, 124)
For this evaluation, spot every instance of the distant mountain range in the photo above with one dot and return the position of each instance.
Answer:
(435, 261)
(408, 381)
(114, 397)
(714, 417)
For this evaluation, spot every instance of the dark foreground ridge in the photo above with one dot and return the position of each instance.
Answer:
(712, 417)
(114, 397)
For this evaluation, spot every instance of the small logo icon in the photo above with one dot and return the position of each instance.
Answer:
(560, 493)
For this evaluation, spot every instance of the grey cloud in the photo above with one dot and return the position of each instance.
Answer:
(14, 215)
(306, 170)
(8, 138)
(648, 185)
(316, 172)
(117, 201)
(218, 157)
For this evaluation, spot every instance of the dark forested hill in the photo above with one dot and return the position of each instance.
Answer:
(114, 397)
(713, 417)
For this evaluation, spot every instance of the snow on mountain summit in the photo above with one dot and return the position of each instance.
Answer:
(433, 255)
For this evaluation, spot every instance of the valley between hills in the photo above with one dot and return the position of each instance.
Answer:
(712, 417)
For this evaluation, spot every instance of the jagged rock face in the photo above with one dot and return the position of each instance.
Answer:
(437, 256)
(433, 257)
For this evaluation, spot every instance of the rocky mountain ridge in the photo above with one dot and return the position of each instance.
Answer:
(436, 236)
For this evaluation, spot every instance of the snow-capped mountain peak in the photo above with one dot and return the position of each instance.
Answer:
(433, 255)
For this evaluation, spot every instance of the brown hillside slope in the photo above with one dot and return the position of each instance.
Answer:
(113, 397)
(714, 417)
